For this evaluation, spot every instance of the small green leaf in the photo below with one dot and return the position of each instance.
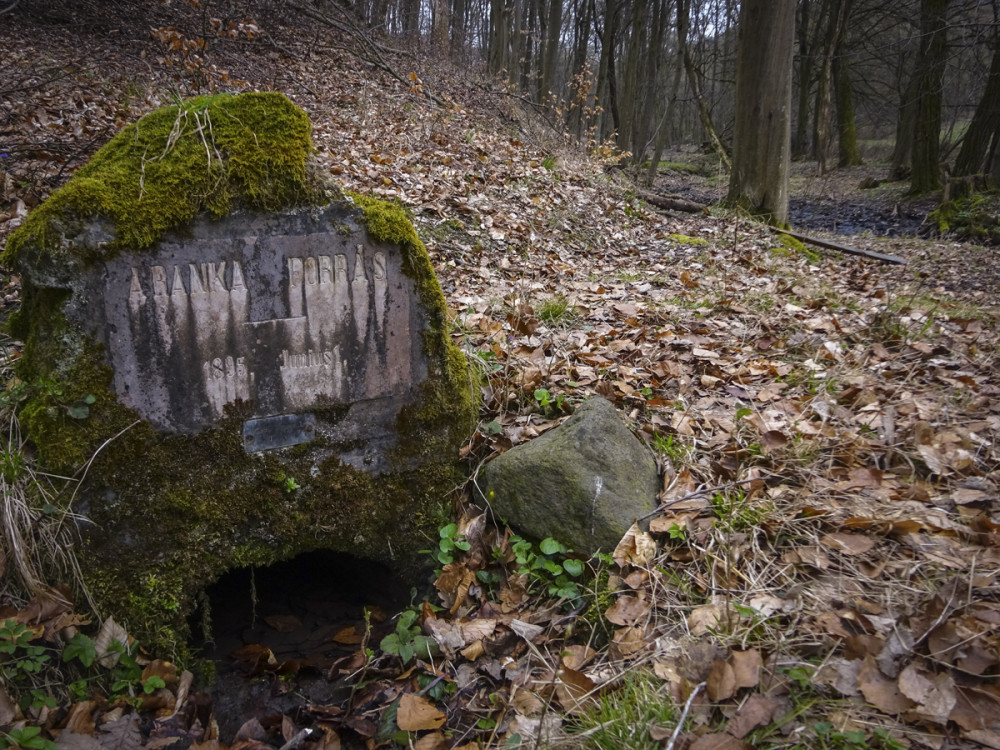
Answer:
(573, 567)
(89, 399)
(390, 644)
(553, 567)
(80, 647)
(153, 683)
(78, 411)
(550, 546)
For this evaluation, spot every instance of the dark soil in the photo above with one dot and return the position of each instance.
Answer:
(833, 202)
(304, 613)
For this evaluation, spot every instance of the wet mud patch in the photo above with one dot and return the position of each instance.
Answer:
(831, 202)
(276, 634)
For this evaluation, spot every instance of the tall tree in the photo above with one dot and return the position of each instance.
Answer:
(847, 132)
(834, 14)
(982, 140)
(762, 135)
(925, 172)
(553, 32)
(694, 78)
(801, 140)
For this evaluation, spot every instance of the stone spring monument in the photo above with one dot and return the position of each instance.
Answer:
(254, 365)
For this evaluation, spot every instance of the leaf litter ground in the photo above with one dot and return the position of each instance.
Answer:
(837, 588)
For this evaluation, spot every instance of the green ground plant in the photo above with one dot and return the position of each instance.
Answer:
(555, 311)
(407, 641)
(621, 718)
(29, 669)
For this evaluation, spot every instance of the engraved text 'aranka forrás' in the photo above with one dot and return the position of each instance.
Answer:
(334, 330)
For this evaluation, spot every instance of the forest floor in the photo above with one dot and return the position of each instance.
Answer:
(824, 571)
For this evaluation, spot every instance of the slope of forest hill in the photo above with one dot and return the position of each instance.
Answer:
(838, 587)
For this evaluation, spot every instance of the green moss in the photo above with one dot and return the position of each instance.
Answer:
(63, 374)
(450, 399)
(168, 514)
(683, 239)
(969, 218)
(680, 166)
(788, 245)
(205, 154)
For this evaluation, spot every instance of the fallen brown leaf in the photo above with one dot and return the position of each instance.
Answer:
(416, 713)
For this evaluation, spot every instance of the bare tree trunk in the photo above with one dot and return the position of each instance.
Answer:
(683, 24)
(442, 20)
(631, 99)
(606, 71)
(459, 28)
(905, 122)
(800, 142)
(925, 168)
(579, 68)
(499, 35)
(981, 139)
(835, 13)
(847, 132)
(762, 136)
(551, 58)
(411, 19)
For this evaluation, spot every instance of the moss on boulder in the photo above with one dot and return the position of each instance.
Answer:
(166, 512)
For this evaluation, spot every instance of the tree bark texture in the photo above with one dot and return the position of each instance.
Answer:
(800, 144)
(762, 135)
(983, 136)
(925, 172)
(847, 132)
(553, 32)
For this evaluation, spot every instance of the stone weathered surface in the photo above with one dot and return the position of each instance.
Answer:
(583, 483)
(264, 372)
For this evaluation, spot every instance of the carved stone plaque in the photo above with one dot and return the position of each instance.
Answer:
(283, 313)
(273, 374)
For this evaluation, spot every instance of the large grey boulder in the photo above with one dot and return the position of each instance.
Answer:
(583, 483)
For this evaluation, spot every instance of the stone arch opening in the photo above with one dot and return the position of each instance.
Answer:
(304, 611)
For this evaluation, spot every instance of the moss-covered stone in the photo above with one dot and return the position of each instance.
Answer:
(207, 154)
(164, 513)
(969, 218)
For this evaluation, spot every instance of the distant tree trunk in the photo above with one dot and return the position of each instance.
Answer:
(835, 14)
(606, 71)
(982, 139)
(650, 106)
(762, 135)
(800, 144)
(630, 101)
(925, 172)
(551, 57)
(683, 23)
(905, 123)
(580, 93)
(411, 19)
(459, 28)
(499, 35)
(442, 22)
(525, 42)
(847, 132)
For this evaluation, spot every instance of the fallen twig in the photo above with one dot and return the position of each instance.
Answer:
(844, 248)
(683, 717)
(674, 203)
